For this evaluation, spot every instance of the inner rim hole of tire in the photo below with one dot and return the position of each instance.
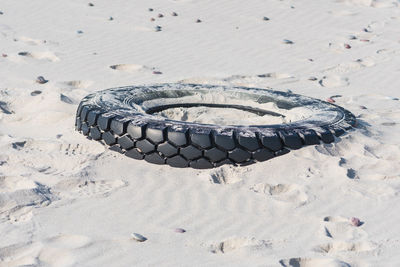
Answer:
(221, 114)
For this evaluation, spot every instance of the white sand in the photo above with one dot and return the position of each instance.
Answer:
(67, 201)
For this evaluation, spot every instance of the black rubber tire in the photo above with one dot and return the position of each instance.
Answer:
(122, 119)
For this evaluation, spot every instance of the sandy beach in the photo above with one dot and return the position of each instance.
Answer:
(69, 201)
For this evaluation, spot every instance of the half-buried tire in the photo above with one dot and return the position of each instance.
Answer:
(122, 118)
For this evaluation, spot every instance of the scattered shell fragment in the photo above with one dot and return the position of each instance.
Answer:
(364, 40)
(157, 72)
(265, 18)
(36, 92)
(1, 13)
(41, 80)
(79, 32)
(179, 230)
(138, 237)
(158, 28)
(4, 55)
(355, 221)
(347, 46)
(160, 15)
(110, 18)
(152, 19)
(312, 78)
(150, 9)
(286, 41)
(90, 4)
(198, 21)
(174, 14)
(335, 96)
(352, 37)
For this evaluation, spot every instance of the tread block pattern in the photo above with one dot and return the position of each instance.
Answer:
(201, 139)
(309, 137)
(291, 139)
(200, 149)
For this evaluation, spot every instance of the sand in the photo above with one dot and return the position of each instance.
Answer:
(68, 201)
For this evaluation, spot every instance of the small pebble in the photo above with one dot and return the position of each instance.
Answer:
(347, 46)
(36, 92)
(138, 237)
(157, 72)
(366, 30)
(355, 221)
(41, 80)
(4, 55)
(90, 4)
(352, 37)
(174, 14)
(150, 9)
(18, 145)
(364, 40)
(23, 53)
(363, 107)
(313, 78)
(1, 13)
(58, 136)
(286, 41)
(66, 99)
(160, 15)
(110, 18)
(265, 18)
(198, 21)
(158, 28)
(152, 19)
(330, 100)
(79, 32)
(179, 230)
(310, 59)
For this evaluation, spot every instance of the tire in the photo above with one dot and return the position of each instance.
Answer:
(122, 118)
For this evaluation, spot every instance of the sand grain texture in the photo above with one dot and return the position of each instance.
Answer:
(67, 201)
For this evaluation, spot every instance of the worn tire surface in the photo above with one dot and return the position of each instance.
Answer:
(122, 119)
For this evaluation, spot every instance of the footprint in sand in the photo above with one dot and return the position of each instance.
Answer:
(287, 193)
(30, 41)
(46, 55)
(313, 262)
(332, 81)
(71, 158)
(370, 3)
(54, 251)
(341, 246)
(78, 84)
(238, 244)
(353, 66)
(131, 68)
(340, 228)
(87, 188)
(19, 196)
(269, 79)
(345, 237)
(226, 175)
